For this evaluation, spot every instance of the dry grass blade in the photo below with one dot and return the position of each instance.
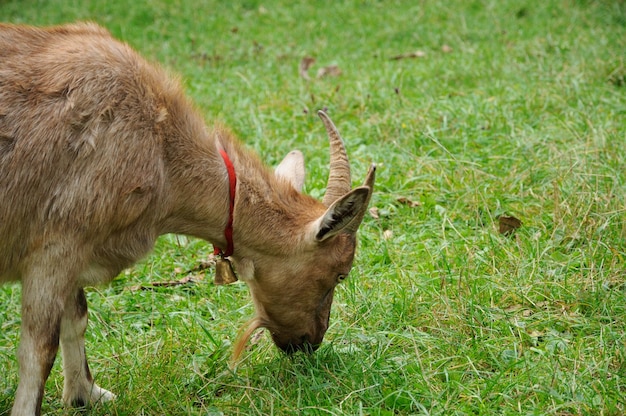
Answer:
(242, 339)
(305, 64)
(410, 55)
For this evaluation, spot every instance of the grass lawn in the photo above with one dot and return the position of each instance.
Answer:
(472, 110)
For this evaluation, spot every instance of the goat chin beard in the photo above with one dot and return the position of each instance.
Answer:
(242, 339)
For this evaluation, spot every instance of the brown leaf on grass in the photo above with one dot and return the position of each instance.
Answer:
(305, 64)
(190, 279)
(508, 225)
(204, 264)
(518, 309)
(329, 71)
(446, 48)
(387, 234)
(191, 276)
(513, 308)
(374, 213)
(407, 201)
(410, 55)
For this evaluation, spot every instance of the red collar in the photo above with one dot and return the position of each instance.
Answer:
(232, 186)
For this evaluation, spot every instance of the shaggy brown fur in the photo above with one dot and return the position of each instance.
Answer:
(100, 153)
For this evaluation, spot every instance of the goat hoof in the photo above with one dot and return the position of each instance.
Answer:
(98, 394)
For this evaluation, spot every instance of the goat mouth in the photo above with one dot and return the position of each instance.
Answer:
(306, 347)
(292, 345)
(246, 331)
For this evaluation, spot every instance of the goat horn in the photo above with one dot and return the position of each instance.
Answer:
(339, 182)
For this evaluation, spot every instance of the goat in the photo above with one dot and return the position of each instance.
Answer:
(100, 153)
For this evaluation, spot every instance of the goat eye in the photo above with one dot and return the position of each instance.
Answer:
(341, 277)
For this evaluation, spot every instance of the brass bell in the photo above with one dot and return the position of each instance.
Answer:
(224, 273)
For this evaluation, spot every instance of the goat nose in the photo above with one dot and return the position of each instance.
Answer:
(306, 347)
(302, 344)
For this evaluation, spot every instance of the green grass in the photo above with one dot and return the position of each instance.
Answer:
(442, 315)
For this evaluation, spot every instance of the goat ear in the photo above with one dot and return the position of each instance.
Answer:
(292, 169)
(341, 214)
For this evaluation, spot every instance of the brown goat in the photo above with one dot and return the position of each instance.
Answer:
(100, 153)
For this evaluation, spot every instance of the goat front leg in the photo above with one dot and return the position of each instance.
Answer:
(79, 388)
(42, 308)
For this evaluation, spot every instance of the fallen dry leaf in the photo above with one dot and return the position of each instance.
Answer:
(374, 212)
(508, 224)
(185, 280)
(513, 308)
(305, 64)
(387, 234)
(416, 54)
(446, 48)
(329, 71)
(407, 201)
(519, 310)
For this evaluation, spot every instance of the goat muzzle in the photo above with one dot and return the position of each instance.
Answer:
(303, 344)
